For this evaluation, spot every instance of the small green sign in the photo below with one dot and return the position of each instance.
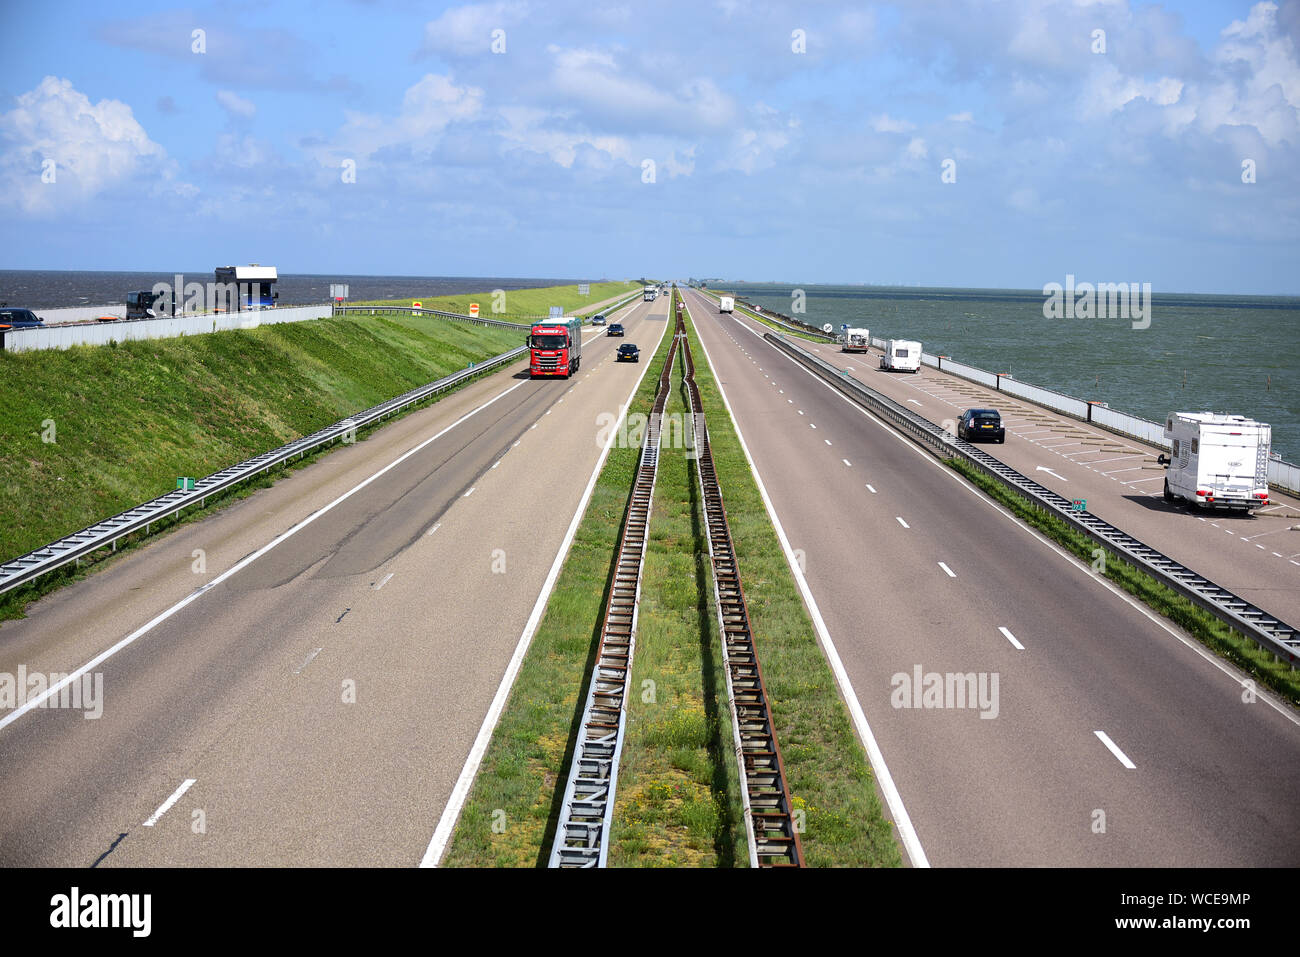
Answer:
(185, 483)
(1079, 505)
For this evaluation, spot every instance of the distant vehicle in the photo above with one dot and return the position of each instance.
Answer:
(140, 305)
(20, 319)
(615, 329)
(628, 352)
(856, 340)
(726, 304)
(598, 320)
(554, 348)
(901, 355)
(247, 287)
(649, 294)
(978, 424)
(1217, 461)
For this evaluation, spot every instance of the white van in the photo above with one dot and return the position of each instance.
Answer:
(1218, 461)
(901, 355)
(726, 304)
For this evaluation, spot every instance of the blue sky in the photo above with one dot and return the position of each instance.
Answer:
(806, 142)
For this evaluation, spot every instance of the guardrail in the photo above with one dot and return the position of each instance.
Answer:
(104, 534)
(168, 327)
(1278, 638)
(1281, 474)
(767, 318)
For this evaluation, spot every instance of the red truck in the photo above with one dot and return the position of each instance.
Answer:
(554, 348)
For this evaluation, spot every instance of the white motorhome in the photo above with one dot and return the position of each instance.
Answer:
(649, 294)
(1219, 461)
(901, 355)
(856, 340)
(726, 304)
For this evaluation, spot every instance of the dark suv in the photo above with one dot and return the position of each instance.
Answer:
(20, 319)
(981, 424)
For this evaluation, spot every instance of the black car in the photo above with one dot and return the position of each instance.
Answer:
(20, 319)
(627, 351)
(981, 424)
(615, 329)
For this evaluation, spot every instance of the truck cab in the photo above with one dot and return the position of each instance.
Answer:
(554, 348)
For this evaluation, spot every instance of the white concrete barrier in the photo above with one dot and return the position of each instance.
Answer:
(81, 313)
(102, 333)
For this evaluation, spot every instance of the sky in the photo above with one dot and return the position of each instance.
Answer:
(995, 144)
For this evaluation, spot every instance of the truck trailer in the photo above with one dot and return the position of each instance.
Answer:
(856, 340)
(726, 304)
(1216, 460)
(901, 355)
(554, 348)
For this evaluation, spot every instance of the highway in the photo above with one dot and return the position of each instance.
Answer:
(1256, 556)
(299, 678)
(1111, 739)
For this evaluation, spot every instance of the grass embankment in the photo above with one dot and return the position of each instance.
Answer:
(1205, 627)
(127, 420)
(520, 304)
(678, 794)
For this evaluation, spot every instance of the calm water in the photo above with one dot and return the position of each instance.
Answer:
(48, 289)
(1234, 354)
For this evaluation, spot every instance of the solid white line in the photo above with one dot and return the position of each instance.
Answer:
(495, 464)
(1123, 758)
(306, 661)
(447, 822)
(950, 573)
(383, 581)
(167, 804)
(436, 526)
(897, 810)
(470, 492)
(1011, 638)
(901, 522)
(237, 567)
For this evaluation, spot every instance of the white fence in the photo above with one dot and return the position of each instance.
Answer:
(102, 333)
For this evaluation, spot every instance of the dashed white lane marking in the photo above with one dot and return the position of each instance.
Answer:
(306, 661)
(517, 441)
(871, 490)
(828, 442)
(470, 492)
(947, 571)
(901, 522)
(813, 424)
(1011, 638)
(801, 411)
(495, 464)
(850, 465)
(1114, 749)
(167, 804)
(436, 526)
(382, 582)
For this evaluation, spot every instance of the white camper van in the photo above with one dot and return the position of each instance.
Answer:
(901, 355)
(726, 304)
(1219, 461)
(856, 340)
(649, 293)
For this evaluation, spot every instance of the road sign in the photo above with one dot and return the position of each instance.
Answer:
(557, 312)
(473, 308)
(338, 291)
(416, 304)
(827, 328)
(584, 289)
(1079, 505)
(185, 483)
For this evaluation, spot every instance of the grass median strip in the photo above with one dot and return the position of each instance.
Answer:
(517, 305)
(1223, 640)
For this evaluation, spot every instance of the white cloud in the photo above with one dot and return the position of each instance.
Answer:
(962, 117)
(94, 146)
(467, 30)
(235, 105)
(428, 108)
(884, 123)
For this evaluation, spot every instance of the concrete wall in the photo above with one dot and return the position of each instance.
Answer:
(101, 333)
(79, 313)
